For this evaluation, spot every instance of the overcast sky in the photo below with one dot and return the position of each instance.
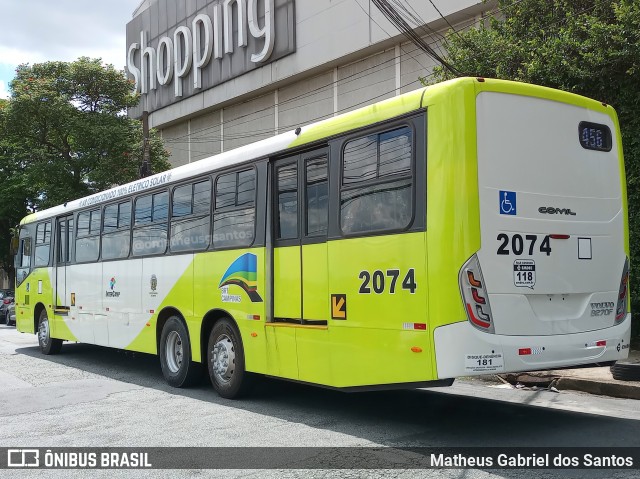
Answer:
(33, 31)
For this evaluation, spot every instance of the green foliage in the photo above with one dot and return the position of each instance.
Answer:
(64, 134)
(589, 47)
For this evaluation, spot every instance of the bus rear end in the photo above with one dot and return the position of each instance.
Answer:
(549, 285)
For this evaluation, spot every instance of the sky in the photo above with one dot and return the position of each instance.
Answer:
(34, 31)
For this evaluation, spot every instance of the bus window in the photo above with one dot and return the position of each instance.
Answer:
(115, 231)
(23, 260)
(287, 221)
(316, 196)
(234, 216)
(88, 236)
(150, 231)
(377, 185)
(191, 218)
(43, 244)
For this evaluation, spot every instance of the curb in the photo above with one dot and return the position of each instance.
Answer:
(617, 390)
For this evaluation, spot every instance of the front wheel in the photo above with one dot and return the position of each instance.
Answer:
(225, 360)
(175, 355)
(48, 345)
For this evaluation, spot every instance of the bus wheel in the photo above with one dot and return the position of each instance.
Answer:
(175, 355)
(48, 345)
(225, 360)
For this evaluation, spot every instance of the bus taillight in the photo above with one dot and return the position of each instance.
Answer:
(623, 294)
(474, 294)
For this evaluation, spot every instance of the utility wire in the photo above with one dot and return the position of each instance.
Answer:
(400, 23)
(358, 75)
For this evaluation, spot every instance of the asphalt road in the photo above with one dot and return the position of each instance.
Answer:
(90, 396)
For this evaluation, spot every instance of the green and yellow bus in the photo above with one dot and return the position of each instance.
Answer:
(474, 226)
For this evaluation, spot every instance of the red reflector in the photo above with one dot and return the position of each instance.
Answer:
(151, 311)
(479, 322)
(256, 317)
(421, 326)
(524, 351)
(601, 343)
(559, 236)
(476, 297)
(416, 349)
(6, 301)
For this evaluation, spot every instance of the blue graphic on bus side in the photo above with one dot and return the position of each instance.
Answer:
(508, 203)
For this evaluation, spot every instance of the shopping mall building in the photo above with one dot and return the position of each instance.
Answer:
(218, 74)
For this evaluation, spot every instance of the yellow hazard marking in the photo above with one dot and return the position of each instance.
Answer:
(339, 306)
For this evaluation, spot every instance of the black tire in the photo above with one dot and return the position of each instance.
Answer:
(175, 355)
(7, 319)
(225, 361)
(48, 345)
(626, 370)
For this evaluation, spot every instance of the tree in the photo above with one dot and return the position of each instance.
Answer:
(64, 134)
(589, 47)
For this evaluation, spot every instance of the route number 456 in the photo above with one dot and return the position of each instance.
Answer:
(380, 281)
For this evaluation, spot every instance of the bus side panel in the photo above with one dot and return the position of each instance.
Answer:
(453, 211)
(232, 282)
(372, 332)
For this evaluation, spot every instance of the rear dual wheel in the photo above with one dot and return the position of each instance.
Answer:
(225, 360)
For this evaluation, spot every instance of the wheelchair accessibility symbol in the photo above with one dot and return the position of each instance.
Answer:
(508, 203)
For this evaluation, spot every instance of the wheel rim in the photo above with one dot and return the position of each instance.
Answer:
(43, 332)
(174, 352)
(223, 359)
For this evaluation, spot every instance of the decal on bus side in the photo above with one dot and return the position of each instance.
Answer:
(377, 281)
(243, 272)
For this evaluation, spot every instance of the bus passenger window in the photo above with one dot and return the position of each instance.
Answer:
(377, 183)
(191, 220)
(234, 216)
(150, 231)
(115, 231)
(43, 244)
(88, 236)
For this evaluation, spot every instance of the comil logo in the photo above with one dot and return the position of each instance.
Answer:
(23, 458)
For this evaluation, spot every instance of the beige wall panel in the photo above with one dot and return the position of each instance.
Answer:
(305, 102)
(205, 136)
(249, 122)
(176, 140)
(367, 81)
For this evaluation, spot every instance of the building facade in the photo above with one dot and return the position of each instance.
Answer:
(218, 74)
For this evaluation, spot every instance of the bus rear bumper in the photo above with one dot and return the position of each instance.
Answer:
(462, 350)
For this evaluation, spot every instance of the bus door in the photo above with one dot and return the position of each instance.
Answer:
(300, 277)
(64, 233)
(62, 297)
